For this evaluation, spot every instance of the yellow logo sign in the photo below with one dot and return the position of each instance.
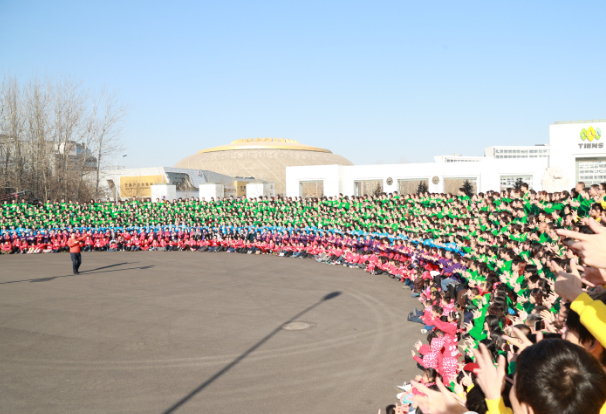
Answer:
(139, 186)
(591, 133)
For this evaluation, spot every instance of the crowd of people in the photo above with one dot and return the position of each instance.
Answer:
(509, 283)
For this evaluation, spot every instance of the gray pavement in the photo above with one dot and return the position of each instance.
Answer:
(155, 332)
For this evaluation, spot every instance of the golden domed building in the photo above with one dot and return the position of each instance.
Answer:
(261, 158)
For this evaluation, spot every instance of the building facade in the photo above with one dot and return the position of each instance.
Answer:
(575, 153)
(439, 177)
(261, 158)
(138, 182)
(578, 151)
(506, 152)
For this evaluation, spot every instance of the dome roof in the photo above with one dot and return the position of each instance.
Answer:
(264, 143)
(263, 158)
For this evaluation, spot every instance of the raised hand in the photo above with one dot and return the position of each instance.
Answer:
(547, 316)
(594, 276)
(467, 381)
(437, 402)
(568, 285)
(590, 247)
(490, 378)
(521, 340)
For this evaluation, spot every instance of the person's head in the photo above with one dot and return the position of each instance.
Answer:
(436, 311)
(533, 281)
(430, 375)
(596, 210)
(536, 296)
(446, 299)
(525, 329)
(491, 323)
(390, 409)
(580, 186)
(476, 400)
(557, 376)
(453, 317)
(577, 333)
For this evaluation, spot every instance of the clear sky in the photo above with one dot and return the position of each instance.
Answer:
(374, 81)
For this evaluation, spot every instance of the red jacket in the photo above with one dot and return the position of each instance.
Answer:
(74, 245)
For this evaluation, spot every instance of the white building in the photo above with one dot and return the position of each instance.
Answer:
(138, 182)
(457, 158)
(575, 153)
(486, 174)
(578, 152)
(535, 151)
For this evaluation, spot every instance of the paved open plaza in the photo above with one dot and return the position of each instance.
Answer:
(191, 332)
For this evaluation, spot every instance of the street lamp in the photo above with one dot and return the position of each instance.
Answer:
(118, 179)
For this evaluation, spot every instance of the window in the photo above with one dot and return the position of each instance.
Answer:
(368, 187)
(311, 188)
(508, 181)
(406, 187)
(591, 170)
(452, 185)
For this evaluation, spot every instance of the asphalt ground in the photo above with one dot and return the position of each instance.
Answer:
(188, 332)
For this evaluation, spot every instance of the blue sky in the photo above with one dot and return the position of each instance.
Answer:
(374, 81)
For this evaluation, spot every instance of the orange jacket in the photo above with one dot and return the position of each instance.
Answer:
(74, 245)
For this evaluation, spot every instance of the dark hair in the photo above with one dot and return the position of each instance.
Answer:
(537, 294)
(437, 309)
(539, 309)
(534, 278)
(491, 347)
(501, 289)
(557, 376)
(530, 268)
(492, 321)
(476, 401)
(544, 286)
(432, 374)
(500, 301)
(491, 279)
(496, 336)
(390, 409)
(573, 324)
(453, 315)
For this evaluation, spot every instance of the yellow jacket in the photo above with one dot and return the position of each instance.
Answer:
(593, 316)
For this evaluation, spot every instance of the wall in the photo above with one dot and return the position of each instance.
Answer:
(167, 175)
(487, 173)
(566, 145)
(254, 190)
(327, 173)
(211, 190)
(163, 192)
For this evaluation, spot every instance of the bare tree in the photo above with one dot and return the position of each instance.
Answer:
(55, 137)
(109, 130)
